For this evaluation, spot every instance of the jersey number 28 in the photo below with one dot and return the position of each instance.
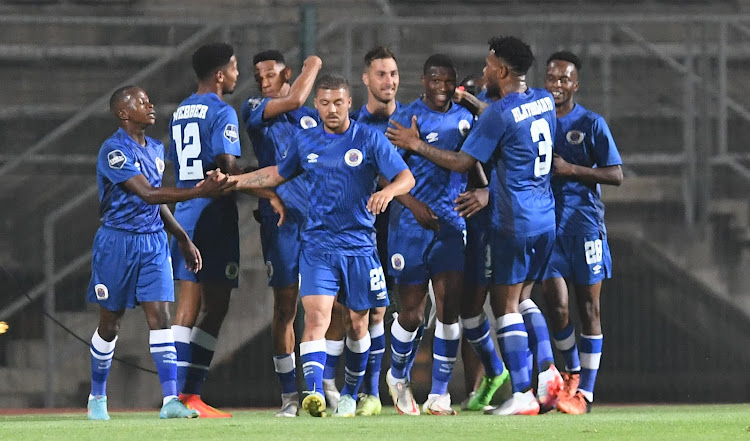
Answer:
(543, 162)
(188, 146)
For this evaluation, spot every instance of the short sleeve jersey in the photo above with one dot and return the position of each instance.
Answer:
(202, 128)
(436, 186)
(515, 135)
(342, 170)
(583, 138)
(121, 158)
(270, 139)
(363, 116)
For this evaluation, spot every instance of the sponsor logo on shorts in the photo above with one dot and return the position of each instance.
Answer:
(101, 291)
(116, 159)
(160, 165)
(575, 137)
(464, 127)
(307, 122)
(397, 262)
(381, 295)
(596, 269)
(232, 270)
(231, 133)
(353, 157)
(269, 268)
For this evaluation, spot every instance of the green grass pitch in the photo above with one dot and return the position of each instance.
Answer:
(646, 422)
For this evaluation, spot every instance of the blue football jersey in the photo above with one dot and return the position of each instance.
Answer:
(583, 138)
(378, 122)
(342, 170)
(515, 135)
(271, 140)
(202, 128)
(436, 186)
(121, 158)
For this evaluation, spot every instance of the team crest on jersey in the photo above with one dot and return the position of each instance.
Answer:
(160, 165)
(431, 137)
(269, 268)
(353, 157)
(101, 291)
(464, 127)
(575, 137)
(116, 159)
(232, 270)
(397, 262)
(231, 133)
(254, 103)
(307, 122)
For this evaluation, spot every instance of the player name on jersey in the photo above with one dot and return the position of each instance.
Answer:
(533, 108)
(190, 111)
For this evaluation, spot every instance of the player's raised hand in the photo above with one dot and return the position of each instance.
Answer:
(193, 259)
(424, 215)
(405, 137)
(459, 94)
(279, 208)
(379, 201)
(471, 202)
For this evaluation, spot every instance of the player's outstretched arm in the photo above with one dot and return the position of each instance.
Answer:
(472, 103)
(267, 177)
(298, 92)
(611, 175)
(218, 185)
(401, 184)
(408, 138)
(193, 260)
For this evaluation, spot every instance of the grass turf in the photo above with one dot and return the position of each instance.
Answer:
(682, 422)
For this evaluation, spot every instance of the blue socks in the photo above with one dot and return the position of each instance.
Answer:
(164, 354)
(478, 333)
(514, 343)
(444, 352)
(313, 356)
(284, 366)
(375, 359)
(356, 363)
(101, 360)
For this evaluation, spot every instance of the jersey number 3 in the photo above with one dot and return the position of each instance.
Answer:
(540, 135)
(188, 145)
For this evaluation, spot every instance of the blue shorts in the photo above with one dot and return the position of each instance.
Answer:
(584, 259)
(281, 248)
(129, 268)
(418, 253)
(358, 280)
(517, 259)
(217, 237)
(477, 268)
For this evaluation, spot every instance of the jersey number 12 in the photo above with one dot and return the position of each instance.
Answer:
(188, 146)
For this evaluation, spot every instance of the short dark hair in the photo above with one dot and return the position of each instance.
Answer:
(514, 52)
(332, 82)
(438, 60)
(119, 95)
(269, 55)
(378, 53)
(568, 56)
(210, 58)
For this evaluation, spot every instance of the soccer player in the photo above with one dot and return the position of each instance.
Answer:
(130, 262)
(341, 159)
(204, 132)
(471, 205)
(585, 156)
(515, 136)
(381, 78)
(424, 242)
(271, 120)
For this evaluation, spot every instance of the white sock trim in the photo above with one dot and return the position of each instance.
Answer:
(513, 318)
(377, 329)
(283, 363)
(473, 322)
(308, 347)
(203, 339)
(102, 345)
(181, 333)
(359, 346)
(447, 331)
(401, 334)
(334, 347)
(160, 336)
(527, 306)
(567, 343)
